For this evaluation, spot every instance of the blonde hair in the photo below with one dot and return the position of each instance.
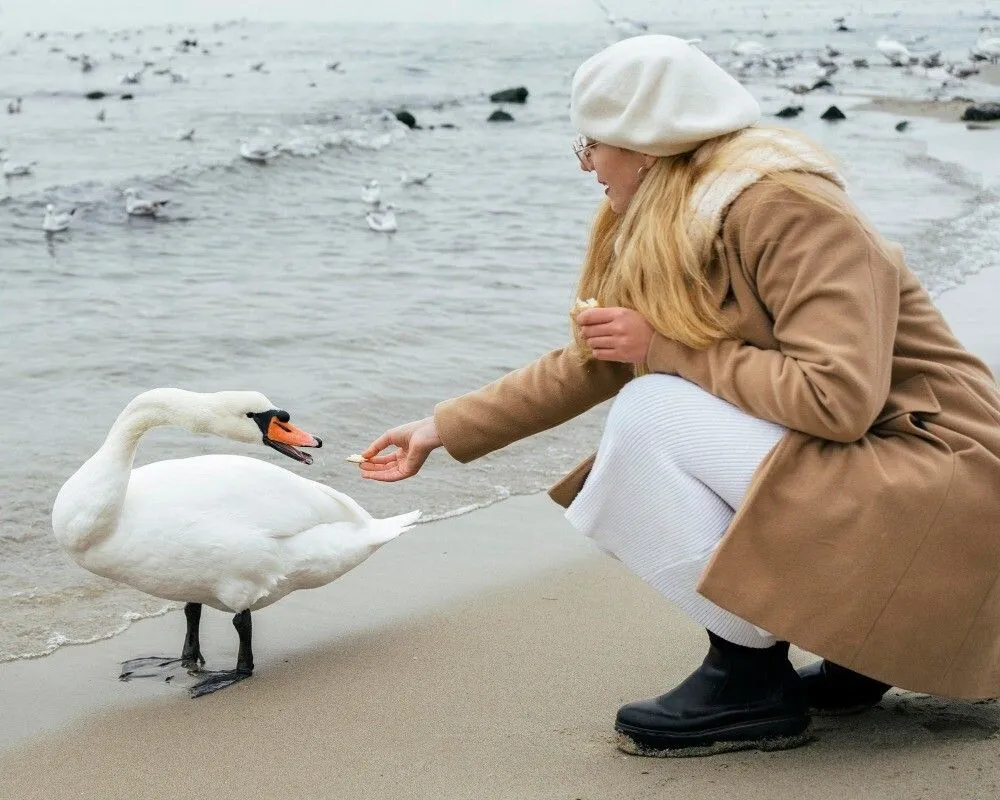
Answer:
(660, 267)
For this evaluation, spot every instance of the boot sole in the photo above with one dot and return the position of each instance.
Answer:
(764, 736)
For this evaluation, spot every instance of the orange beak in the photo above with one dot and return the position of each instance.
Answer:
(286, 433)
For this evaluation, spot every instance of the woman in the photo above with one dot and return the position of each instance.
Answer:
(799, 450)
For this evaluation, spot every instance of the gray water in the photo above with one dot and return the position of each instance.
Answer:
(267, 278)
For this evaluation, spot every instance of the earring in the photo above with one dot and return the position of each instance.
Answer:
(641, 172)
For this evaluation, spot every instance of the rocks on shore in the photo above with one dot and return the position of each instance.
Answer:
(832, 114)
(96, 95)
(982, 112)
(407, 118)
(516, 94)
(500, 116)
(789, 111)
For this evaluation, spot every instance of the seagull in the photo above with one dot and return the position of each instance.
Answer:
(132, 78)
(371, 194)
(14, 106)
(383, 221)
(186, 136)
(415, 179)
(14, 170)
(55, 222)
(137, 207)
(747, 47)
(896, 53)
(624, 25)
(987, 47)
(333, 66)
(101, 115)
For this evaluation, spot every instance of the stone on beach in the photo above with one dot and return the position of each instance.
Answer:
(500, 116)
(832, 114)
(517, 94)
(982, 112)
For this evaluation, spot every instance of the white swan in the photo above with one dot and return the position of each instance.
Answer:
(231, 532)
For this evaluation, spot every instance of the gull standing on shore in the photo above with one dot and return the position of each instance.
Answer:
(895, 52)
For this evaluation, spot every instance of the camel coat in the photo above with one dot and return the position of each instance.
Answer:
(870, 534)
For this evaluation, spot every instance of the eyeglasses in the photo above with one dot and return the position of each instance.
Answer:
(582, 147)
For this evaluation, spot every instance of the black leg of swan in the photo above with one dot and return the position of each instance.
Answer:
(191, 656)
(162, 666)
(244, 661)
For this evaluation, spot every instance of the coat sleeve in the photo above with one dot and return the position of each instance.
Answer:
(833, 295)
(551, 390)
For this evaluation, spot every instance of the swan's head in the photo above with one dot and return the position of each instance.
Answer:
(49, 208)
(250, 417)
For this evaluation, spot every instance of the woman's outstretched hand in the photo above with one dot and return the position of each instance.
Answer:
(414, 442)
(616, 334)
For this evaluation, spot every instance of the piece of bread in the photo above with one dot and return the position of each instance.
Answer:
(582, 305)
(356, 459)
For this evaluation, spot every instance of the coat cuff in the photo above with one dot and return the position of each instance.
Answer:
(663, 355)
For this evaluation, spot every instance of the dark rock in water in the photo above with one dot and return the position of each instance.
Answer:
(500, 116)
(833, 113)
(519, 94)
(127, 96)
(822, 83)
(447, 125)
(860, 63)
(979, 126)
(982, 112)
(406, 118)
(902, 125)
(96, 95)
(789, 111)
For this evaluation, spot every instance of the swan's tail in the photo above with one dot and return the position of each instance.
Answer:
(384, 530)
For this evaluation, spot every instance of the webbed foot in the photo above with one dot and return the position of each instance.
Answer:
(218, 679)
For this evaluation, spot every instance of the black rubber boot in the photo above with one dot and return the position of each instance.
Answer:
(832, 689)
(740, 698)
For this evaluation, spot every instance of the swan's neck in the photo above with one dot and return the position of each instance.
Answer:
(89, 504)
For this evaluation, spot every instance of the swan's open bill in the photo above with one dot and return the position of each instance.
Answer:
(231, 532)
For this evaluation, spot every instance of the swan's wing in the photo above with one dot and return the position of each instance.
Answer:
(231, 493)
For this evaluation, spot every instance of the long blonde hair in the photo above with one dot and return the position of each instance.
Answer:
(663, 249)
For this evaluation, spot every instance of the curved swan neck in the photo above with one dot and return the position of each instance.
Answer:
(88, 505)
(153, 409)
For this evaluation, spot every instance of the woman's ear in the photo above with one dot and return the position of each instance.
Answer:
(648, 161)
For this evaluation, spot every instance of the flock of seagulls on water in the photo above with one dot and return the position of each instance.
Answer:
(752, 56)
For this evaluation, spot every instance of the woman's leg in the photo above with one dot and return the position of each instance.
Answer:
(673, 466)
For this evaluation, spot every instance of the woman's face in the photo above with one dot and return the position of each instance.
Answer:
(618, 170)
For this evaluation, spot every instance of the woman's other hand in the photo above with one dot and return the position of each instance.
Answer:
(616, 334)
(414, 442)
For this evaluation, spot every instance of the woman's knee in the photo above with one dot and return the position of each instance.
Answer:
(653, 405)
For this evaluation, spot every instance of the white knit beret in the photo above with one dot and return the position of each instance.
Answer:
(657, 95)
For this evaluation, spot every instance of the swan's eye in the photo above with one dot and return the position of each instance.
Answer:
(250, 414)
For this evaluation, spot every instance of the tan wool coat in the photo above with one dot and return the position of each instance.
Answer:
(870, 534)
